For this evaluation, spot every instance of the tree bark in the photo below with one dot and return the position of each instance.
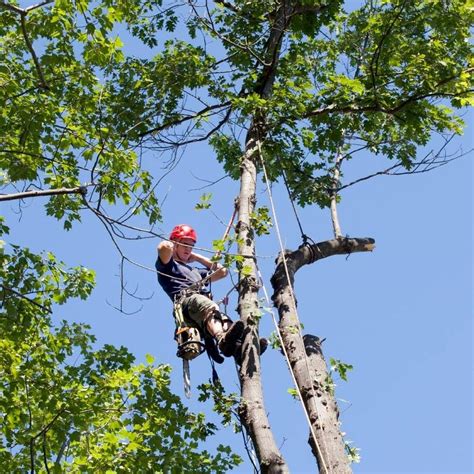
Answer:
(308, 364)
(252, 410)
(45, 192)
(330, 452)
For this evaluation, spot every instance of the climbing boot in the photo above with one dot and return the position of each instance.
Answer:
(227, 343)
(211, 348)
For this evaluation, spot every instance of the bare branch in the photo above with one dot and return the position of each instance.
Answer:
(426, 164)
(180, 143)
(12, 8)
(47, 192)
(310, 253)
(180, 120)
(210, 183)
(38, 5)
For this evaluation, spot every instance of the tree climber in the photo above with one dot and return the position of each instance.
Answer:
(186, 285)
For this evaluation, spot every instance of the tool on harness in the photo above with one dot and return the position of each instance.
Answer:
(189, 343)
(187, 337)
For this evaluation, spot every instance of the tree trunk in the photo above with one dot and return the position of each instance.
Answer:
(330, 451)
(252, 410)
(308, 364)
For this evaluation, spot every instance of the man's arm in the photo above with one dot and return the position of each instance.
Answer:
(165, 251)
(218, 271)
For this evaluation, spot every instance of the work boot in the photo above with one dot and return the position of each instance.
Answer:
(211, 348)
(228, 341)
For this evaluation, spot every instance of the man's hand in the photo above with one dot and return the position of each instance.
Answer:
(166, 244)
(165, 251)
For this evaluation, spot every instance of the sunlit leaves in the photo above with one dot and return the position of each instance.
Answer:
(57, 389)
(204, 202)
(229, 152)
(69, 134)
(260, 221)
(340, 367)
(375, 72)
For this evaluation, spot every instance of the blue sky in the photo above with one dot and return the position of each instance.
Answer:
(402, 315)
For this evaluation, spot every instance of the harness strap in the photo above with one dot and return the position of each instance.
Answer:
(189, 339)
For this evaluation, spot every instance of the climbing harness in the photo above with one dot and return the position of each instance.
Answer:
(191, 340)
(189, 343)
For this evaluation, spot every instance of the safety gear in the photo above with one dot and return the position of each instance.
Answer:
(227, 343)
(187, 337)
(183, 231)
(189, 343)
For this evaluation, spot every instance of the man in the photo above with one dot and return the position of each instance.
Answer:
(182, 281)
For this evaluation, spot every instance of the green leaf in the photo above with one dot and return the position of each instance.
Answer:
(294, 393)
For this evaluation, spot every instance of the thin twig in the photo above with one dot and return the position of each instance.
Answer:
(180, 120)
(43, 83)
(38, 5)
(429, 165)
(13, 8)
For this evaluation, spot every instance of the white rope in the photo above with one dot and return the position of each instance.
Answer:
(277, 228)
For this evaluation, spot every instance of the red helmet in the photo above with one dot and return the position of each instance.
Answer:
(183, 231)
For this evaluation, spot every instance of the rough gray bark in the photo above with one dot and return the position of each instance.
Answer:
(310, 372)
(252, 409)
(330, 448)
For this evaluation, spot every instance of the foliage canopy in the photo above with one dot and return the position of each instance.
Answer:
(91, 91)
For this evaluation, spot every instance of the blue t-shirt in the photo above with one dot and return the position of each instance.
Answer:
(176, 276)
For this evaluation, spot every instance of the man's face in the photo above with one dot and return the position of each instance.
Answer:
(183, 249)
